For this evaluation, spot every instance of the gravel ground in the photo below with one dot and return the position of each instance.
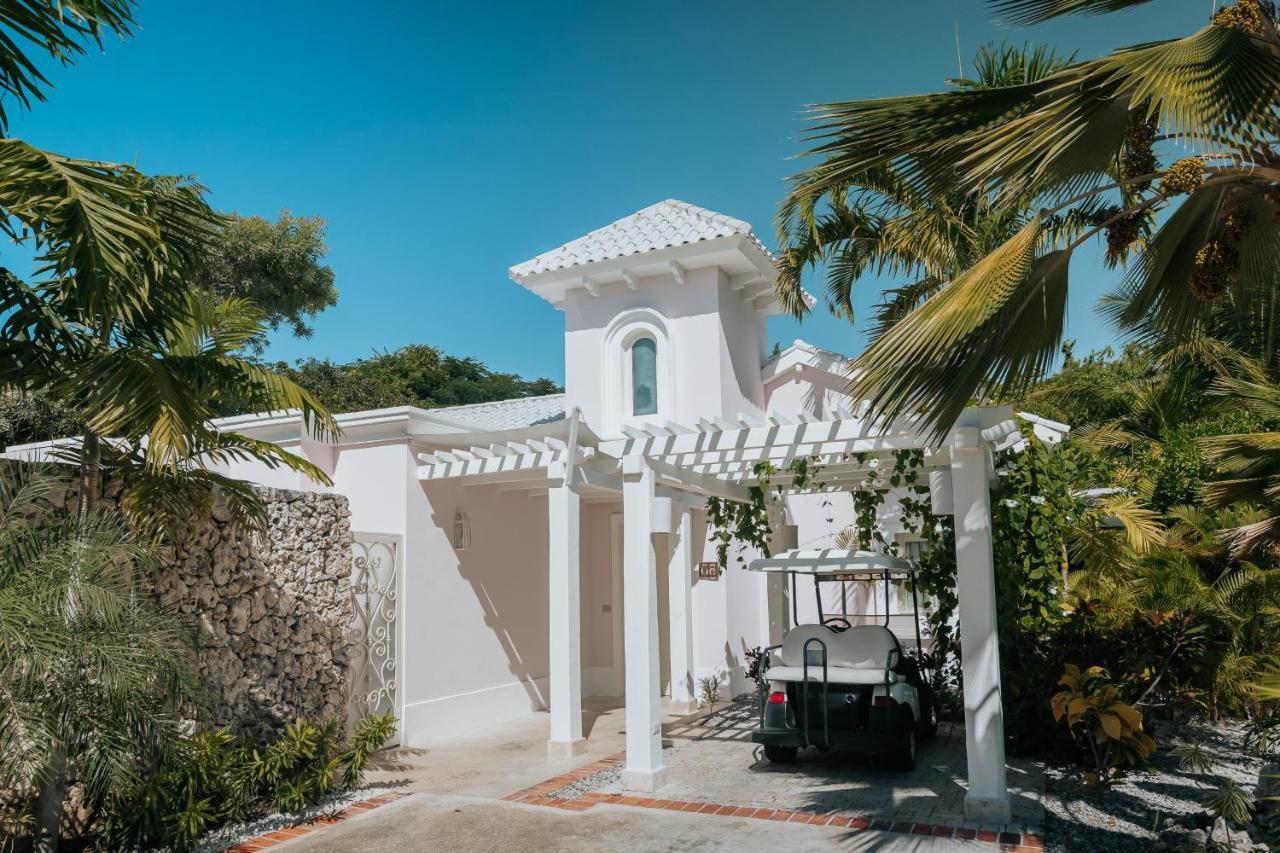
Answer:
(224, 837)
(1126, 817)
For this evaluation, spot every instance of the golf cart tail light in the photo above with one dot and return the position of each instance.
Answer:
(777, 697)
(885, 702)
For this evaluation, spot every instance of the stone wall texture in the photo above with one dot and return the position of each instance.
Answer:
(272, 612)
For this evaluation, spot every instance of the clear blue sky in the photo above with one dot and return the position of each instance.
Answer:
(444, 142)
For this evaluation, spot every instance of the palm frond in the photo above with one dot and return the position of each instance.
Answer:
(1026, 12)
(61, 30)
(1000, 322)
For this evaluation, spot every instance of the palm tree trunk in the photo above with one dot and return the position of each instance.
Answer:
(54, 789)
(49, 803)
(90, 474)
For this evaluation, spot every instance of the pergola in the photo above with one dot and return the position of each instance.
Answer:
(664, 472)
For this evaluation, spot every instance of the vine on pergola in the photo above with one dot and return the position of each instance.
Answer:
(748, 523)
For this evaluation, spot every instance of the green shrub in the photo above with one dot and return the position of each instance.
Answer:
(215, 779)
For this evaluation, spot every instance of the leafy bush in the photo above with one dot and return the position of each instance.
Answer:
(215, 778)
(1108, 728)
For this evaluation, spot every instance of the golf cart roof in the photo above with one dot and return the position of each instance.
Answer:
(834, 561)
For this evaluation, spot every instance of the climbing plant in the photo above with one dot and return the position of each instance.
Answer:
(747, 522)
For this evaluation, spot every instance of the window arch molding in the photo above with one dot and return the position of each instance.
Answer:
(620, 338)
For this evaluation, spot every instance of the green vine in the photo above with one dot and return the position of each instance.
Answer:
(748, 522)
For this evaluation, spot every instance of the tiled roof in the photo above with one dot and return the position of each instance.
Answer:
(508, 414)
(667, 223)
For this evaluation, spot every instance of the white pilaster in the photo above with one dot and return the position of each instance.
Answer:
(566, 623)
(644, 770)
(988, 796)
(680, 615)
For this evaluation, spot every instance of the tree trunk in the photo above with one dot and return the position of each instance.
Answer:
(49, 803)
(54, 789)
(90, 474)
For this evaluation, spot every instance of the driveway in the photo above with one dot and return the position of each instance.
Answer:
(458, 786)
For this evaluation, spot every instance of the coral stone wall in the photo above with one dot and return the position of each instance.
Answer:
(272, 612)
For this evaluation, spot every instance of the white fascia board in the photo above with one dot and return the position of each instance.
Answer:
(735, 253)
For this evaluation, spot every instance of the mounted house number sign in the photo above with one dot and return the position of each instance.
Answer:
(709, 571)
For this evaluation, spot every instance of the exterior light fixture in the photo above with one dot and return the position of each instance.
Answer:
(461, 531)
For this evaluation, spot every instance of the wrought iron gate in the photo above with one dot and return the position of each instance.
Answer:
(375, 576)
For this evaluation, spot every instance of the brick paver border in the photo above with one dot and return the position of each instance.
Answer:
(540, 795)
(271, 839)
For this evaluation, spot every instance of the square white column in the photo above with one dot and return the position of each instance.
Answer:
(644, 770)
(565, 627)
(988, 797)
(680, 615)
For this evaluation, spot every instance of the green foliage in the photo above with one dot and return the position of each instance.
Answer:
(275, 265)
(1108, 729)
(748, 522)
(28, 416)
(89, 667)
(415, 375)
(213, 778)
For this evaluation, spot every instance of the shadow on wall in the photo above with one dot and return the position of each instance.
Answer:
(506, 566)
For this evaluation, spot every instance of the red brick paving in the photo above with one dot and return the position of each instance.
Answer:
(538, 795)
(270, 839)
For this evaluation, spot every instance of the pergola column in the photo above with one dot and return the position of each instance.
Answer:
(644, 770)
(566, 623)
(988, 796)
(680, 615)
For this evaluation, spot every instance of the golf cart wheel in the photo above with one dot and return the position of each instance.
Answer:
(904, 758)
(780, 754)
(929, 726)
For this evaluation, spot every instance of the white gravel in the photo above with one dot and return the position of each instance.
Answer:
(226, 836)
(1128, 817)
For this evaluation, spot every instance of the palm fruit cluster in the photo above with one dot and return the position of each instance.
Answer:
(1218, 261)
(1250, 16)
(1137, 158)
(1183, 176)
(1122, 234)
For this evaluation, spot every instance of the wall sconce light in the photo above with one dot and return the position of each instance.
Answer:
(461, 531)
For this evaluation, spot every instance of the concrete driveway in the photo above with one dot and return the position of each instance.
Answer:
(457, 805)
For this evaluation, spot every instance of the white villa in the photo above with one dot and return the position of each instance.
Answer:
(523, 554)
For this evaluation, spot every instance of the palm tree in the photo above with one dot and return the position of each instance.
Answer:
(90, 673)
(1084, 143)
(1250, 465)
(883, 223)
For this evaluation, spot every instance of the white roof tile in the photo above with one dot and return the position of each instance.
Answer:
(508, 414)
(667, 223)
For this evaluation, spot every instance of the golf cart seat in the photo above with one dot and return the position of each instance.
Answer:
(861, 654)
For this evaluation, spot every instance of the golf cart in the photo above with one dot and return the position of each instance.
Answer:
(841, 685)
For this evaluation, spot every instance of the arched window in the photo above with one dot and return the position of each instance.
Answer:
(644, 376)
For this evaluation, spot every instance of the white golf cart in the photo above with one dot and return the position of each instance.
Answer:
(839, 684)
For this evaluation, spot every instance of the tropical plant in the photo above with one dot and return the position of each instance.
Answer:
(1110, 729)
(1249, 464)
(1084, 144)
(881, 222)
(91, 673)
(213, 778)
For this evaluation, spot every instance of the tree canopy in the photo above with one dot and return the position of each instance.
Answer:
(415, 375)
(278, 266)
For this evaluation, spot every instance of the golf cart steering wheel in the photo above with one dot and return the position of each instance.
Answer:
(837, 623)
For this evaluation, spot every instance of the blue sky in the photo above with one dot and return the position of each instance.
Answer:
(444, 142)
